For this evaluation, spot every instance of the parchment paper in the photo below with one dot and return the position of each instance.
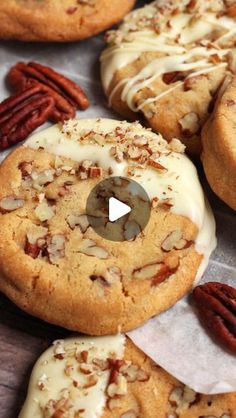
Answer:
(174, 339)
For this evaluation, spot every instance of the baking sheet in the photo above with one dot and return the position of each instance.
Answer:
(174, 339)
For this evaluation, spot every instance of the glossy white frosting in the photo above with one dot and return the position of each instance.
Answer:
(179, 182)
(184, 55)
(50, 382)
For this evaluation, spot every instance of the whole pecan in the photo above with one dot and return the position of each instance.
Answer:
(22, 114)
(216, 304)
(67, 95)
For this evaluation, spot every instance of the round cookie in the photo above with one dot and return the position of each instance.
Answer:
(100, 378)
(166, 62)
(219, 150)
(56, 267)
(70, 20)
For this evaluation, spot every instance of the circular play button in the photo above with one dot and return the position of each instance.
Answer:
(118, 209)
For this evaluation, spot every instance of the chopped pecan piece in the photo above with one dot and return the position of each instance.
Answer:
(189, 124)
(35, 241)
(129, 414)
(183, 397)
(175, 241)
(156, 272)
(231, 11)
(156, 165)
(56, 248)
(216, 304)
(78, 220)
(172, 77)
(66, 94)
(89, 247)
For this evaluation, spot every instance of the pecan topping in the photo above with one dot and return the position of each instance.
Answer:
(189, 124)
(175, 241)
(183, 398)
(22, 114)
(89, 248)
(67, 95)
(156, 272)
(10, 203)
(216, 304)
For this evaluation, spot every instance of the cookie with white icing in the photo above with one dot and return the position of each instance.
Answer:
(56, 267)
(70, 20)
(219, 151)
(166, 62)
(109, 377)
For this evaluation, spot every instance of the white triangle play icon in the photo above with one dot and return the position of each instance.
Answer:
(117, 209)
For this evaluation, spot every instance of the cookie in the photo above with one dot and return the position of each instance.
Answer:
(56, 267)
(219, 152)
(166, 62)
(70, 20)
(109, 377)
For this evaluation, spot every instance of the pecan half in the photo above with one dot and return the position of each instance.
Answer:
(22, 114)
(216, 304)
(156, 272)
(67, 95)
(129, 414)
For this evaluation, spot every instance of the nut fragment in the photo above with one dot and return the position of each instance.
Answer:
(129, 414)
(156, 272)
(213, 416)
(78, 220)
(189, 124)
(183, 398)
(95, 172)
(56, 248)
(44, 212)
(10, 203)
(118, 388)
(43, 178)
(35, 241)
(113, 403)
(89, 247)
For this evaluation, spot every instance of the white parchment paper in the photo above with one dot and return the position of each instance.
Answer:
(174, 339)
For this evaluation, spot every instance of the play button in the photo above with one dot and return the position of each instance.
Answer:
(118, 209)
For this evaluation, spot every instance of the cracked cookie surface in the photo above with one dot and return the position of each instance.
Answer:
(53, 263)
(72, 20)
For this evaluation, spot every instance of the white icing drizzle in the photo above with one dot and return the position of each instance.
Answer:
(179, 182)
(52, 378)
(178, 43)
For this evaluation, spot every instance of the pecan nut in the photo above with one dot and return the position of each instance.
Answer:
(67, 95)
(216, 304)
(22, 114)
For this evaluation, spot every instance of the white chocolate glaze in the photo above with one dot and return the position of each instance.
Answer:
(177, 45)
(178, 183)
(54, 378)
